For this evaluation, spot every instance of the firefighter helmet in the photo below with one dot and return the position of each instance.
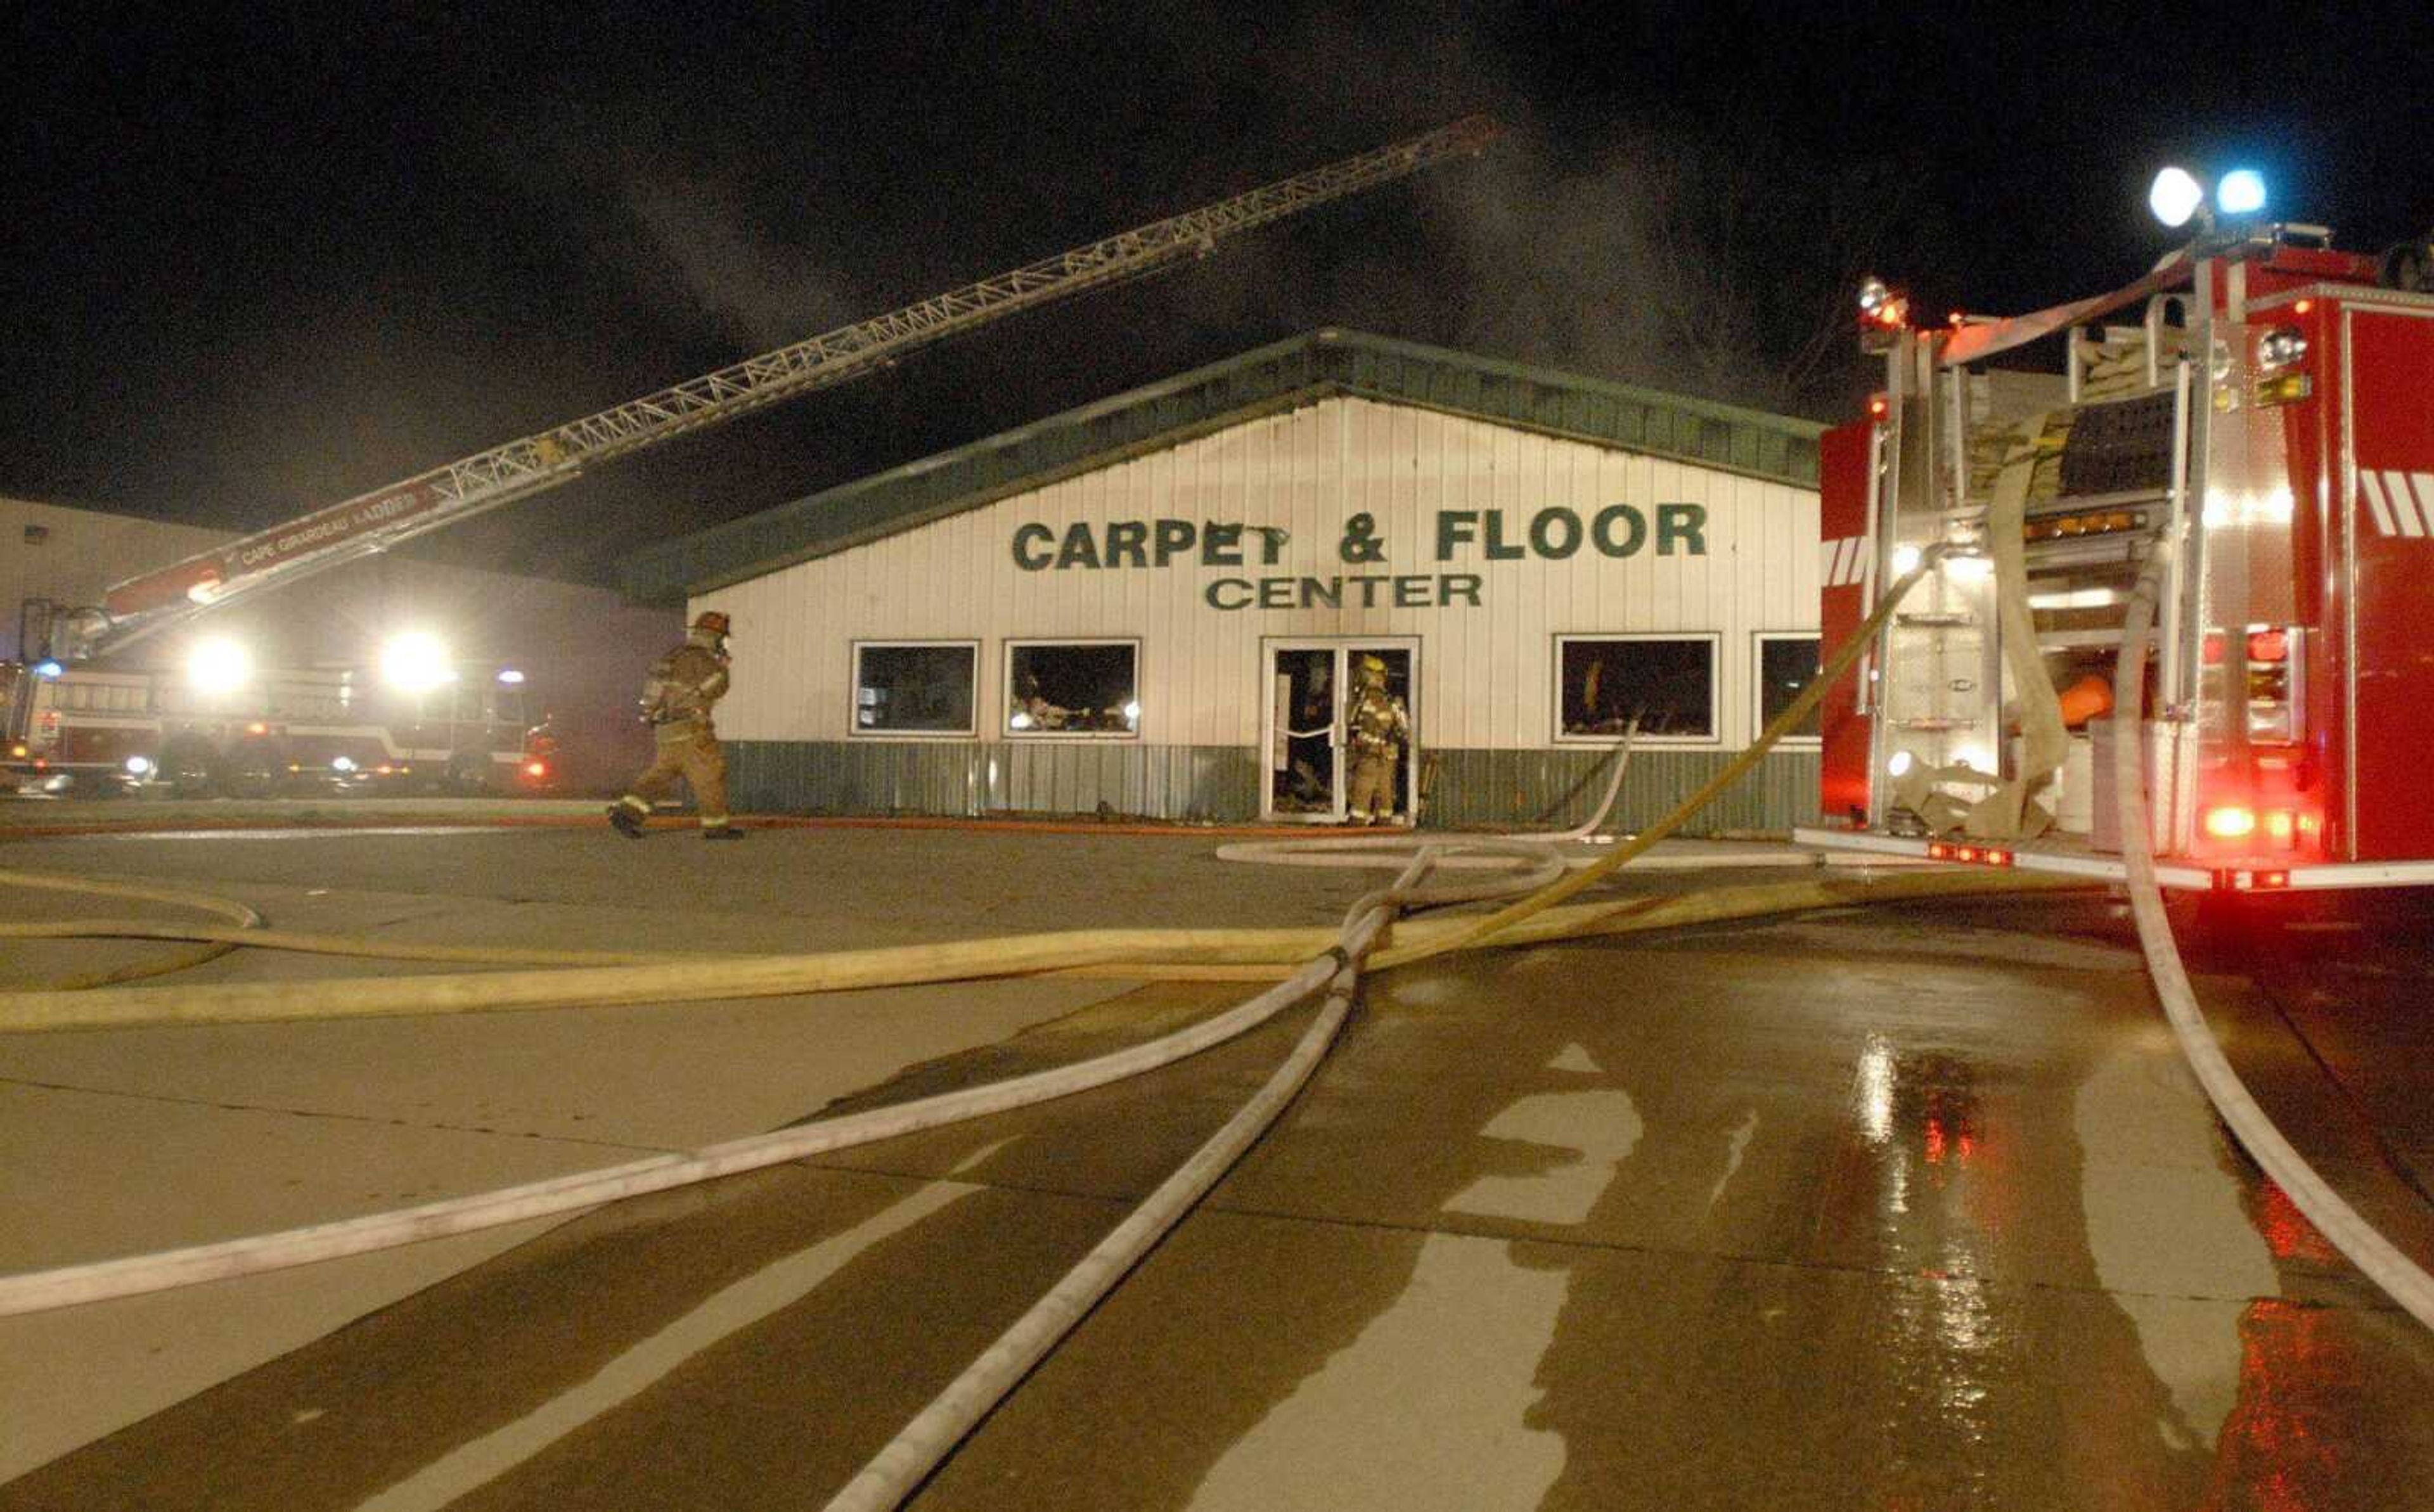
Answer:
(711, 621)
(1373, 666)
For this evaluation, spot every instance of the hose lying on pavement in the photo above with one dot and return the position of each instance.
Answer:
(923, 1443)
(2401, 1277)
(1127, 955)
(322, 945)
(753, 976)
(37, 1291)
(750, 976)
(220, 941)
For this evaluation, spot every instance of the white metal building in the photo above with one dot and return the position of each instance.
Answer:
(1152, 605)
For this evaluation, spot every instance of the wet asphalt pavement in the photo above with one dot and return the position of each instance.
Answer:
(1905, 1209)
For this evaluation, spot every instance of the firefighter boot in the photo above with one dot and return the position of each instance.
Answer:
(624, 822)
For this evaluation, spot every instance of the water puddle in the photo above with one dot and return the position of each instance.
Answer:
(2169, 1236)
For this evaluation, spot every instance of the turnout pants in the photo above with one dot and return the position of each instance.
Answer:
(1373, 793)
(689, 751)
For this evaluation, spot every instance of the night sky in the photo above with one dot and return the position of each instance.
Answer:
(266, 262)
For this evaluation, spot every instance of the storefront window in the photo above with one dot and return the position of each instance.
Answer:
(914, 689)
(1072, 687)
(1668, 682)
(1785, 665)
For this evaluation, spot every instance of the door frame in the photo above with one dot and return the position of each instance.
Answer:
(1342, 647)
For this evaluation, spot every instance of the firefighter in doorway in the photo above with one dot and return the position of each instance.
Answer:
(676, 700)
(1380, 730)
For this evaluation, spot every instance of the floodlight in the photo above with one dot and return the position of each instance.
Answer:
(510, 676)
(2176, 196)
(416, 663)
(47, 669)
(219, 665)
(2240, 193)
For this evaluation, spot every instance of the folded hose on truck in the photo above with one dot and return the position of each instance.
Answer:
(2401, 1279)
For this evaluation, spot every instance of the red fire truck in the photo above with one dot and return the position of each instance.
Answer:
(96, 733)
(2256, 416)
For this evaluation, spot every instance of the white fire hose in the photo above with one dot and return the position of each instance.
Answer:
(924, 1443)
(2401, 1277)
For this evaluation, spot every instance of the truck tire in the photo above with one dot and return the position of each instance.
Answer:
(250, 771)
(189, 769)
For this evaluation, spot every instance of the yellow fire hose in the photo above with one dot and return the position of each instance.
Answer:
(1260, 954)
(220, 944)
(1251, 954)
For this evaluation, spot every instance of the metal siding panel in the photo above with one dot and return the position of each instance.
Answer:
(1311, 468)
(1556, 788)
(953, 778)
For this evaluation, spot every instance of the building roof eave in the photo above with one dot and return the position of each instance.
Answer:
(1268, 380)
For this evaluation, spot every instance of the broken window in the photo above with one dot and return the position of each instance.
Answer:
(1072, 687)
(914, 687)
(1668, 682)
(1785, 666)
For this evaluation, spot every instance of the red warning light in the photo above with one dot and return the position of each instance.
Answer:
(2269, 645)
(536, 769)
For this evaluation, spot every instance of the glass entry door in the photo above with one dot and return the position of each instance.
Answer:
(1312, 757)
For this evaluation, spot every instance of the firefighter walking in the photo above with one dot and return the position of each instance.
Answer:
(676, 700)
(1381, 730)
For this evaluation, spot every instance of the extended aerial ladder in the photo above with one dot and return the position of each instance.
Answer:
(374, 522)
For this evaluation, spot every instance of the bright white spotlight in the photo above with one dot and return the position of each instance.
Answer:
(1905, 559)
(415, 663)
(1132, 710)
(510, 676)
(1968, 569)
(2176, 196)
(138, 765)
(2241, 192)
(1900, 766)
(219, 665)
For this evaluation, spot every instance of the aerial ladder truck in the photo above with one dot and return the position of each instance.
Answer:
(39, 731)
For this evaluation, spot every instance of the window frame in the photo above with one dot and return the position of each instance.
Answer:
(1005, 690)
(853, 687)
(1713, 639)
(1795, 740)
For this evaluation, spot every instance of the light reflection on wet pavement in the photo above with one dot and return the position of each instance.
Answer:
(1757, 1218)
